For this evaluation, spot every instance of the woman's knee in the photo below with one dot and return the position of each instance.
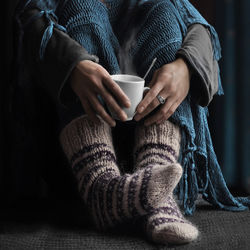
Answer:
(161, 15)
(75, 11)
(159, 34)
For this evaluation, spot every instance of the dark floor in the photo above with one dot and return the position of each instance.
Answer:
(64, 225)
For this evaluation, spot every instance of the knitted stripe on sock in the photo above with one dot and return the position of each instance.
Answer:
(99, 180)
(89, 149)
(157, 144)
(134, 195)
(160, 145)
(168, 225)
(82, 135)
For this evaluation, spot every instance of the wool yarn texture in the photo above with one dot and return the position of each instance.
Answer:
(111, 198)
(161, 26)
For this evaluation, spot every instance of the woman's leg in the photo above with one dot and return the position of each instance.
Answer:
(158, 35)
(160, 144)
(110, 197)
(88, 22)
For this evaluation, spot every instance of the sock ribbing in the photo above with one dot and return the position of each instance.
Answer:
(160, 145)
(157, 144)
(110, 197)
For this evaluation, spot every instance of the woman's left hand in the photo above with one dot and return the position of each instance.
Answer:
(172, 82)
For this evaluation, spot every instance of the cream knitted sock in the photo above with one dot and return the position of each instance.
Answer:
(168, 225)
(157, 144)
(110, 197)
(160, 145)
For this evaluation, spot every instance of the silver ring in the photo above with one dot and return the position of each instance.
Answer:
(161, 99)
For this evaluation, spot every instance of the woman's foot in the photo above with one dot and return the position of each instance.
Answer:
(167, 225)
(110, 197)
(160, 145)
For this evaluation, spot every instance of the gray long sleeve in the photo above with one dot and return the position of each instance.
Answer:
(61, 56)
(63, 53)
(197, 50)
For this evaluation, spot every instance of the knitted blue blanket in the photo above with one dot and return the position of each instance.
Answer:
(161, 26)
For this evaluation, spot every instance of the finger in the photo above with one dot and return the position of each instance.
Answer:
(152, 82)
(111, 102)
(99, 109)
(150, 96)
(173, 109)
(89, 111)
(161, 113)
(115, 89)
(153, 105)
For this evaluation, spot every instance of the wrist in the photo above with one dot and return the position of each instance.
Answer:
(79, 68)
(184, 64)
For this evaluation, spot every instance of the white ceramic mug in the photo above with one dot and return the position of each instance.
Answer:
(133, 87)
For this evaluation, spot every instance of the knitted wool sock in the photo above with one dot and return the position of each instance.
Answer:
(110, 197)
(157, 144)
(160, 145)
(167, 225)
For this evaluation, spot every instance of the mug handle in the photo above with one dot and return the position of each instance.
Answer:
(145, 89)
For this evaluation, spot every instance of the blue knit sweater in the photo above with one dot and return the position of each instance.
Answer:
(162, 26)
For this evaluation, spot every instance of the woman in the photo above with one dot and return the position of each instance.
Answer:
(171, 134)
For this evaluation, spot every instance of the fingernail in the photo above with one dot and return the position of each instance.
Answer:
(137, 118)
(124, 116)
(128, 104)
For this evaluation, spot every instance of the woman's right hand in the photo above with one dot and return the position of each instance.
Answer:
(88, 80)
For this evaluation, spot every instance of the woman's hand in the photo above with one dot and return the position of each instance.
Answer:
(172, 82)
(88, 80)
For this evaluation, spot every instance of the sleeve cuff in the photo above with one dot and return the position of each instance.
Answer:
(61, 55)
(197, 51)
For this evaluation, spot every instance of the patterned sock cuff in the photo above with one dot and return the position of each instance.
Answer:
(157, 141)
(82, 132)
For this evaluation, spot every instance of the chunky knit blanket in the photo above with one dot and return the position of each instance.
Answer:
(160, 28)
